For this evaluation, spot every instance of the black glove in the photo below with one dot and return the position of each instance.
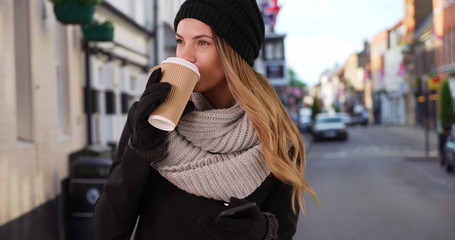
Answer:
(145, 137)
(250, 224)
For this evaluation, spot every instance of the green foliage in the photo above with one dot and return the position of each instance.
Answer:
(294, 81)
(315, 109)
(446, 111)
(108, 23)
(85, 2)
(418, 81)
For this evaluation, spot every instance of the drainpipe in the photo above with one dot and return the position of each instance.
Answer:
(155, 22)
(88, 94)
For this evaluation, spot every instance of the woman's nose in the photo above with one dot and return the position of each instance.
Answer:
(188, 54)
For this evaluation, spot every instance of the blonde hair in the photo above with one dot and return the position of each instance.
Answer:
(273, 125)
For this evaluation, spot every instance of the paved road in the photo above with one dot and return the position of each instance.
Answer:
(377, 186)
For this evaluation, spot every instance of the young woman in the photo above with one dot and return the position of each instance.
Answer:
(234, 146)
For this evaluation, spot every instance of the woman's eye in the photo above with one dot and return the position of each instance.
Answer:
(179, 41)
(203, 43)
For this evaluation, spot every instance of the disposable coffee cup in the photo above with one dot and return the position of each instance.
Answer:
(183, 76)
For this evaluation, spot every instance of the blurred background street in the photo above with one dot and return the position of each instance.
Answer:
(377, 185)
(370, 84)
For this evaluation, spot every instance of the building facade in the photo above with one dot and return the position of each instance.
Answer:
(59, 94)
(117, 71)
(425, 70)
(378, 46)
(393, 105)
(358, 82)
(41, 102)
(444, 31)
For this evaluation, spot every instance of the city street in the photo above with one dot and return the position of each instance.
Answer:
(377, 185)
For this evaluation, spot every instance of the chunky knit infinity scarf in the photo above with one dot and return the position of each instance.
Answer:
(214, 153)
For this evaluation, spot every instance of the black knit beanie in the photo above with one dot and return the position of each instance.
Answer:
(239, 22)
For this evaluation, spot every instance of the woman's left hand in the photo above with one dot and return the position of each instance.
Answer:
(251, 224)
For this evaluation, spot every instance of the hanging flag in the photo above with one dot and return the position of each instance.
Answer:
(401, 70)
(436, 36)
(270, 10)
(366, 75)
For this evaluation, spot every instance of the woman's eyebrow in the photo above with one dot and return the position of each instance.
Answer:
(195, 37)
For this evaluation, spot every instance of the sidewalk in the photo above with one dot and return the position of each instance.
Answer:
(414, 134)
(417, 135)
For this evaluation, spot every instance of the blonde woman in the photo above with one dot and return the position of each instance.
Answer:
(235, 151)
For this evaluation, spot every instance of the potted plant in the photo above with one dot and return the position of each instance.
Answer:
(74, 11)
(95, 31)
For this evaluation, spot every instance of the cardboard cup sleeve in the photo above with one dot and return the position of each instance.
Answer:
(183, 76)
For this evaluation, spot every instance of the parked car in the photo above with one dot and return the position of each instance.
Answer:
(305, 119)
(448, 154)
(329, 126)
(305, 124)
(347, 119)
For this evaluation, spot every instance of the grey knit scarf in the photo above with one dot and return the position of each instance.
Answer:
(214, 153)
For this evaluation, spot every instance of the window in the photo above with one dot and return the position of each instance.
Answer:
(133, 83)
(110, 102)
(93, 94)
(275, 71)
(23, 78)
(62, 80)
(126, 102)
(273, 50)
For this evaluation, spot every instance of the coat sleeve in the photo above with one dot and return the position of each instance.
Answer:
(279, 203)
(118, 206)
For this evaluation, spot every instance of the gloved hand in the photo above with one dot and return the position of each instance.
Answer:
(250, 224)
(145, 137)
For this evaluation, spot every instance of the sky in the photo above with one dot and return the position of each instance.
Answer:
(322, 33)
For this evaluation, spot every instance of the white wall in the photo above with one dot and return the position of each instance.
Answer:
(392, 61)
(30, 172)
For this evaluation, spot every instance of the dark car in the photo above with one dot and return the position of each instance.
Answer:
(329, 126)
(448, 154)
(305, 124)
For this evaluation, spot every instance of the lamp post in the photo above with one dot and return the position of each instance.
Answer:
(426, 118)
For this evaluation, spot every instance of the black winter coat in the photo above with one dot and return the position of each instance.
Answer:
(134, 188)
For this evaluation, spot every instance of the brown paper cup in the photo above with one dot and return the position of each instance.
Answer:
(183, 76)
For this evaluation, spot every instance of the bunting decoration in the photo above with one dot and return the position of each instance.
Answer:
(436, 36)
(270, 10)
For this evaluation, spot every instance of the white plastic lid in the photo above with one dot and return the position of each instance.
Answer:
(161, 123)
(183, 62)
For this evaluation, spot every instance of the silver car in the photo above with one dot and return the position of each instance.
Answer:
(329, 126)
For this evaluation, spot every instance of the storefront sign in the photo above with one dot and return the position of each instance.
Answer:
(434, 83)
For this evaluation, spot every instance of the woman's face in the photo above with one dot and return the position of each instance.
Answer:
(196, 44)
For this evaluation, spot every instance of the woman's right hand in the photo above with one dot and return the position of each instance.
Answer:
(145, 137)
